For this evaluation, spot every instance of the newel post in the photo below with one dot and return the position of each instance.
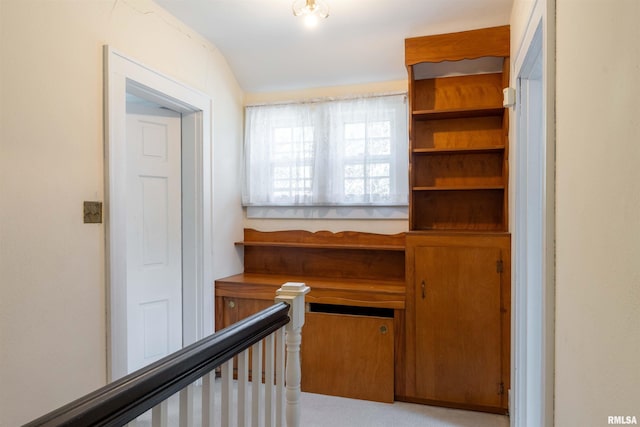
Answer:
(293, 294)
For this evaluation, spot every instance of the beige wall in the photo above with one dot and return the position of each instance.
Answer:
(384, 226)
(597, 329)
(598, 211)
(52, 270)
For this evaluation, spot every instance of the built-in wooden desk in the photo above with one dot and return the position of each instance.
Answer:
(352, 338)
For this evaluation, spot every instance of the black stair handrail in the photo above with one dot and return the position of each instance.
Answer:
(125, 399)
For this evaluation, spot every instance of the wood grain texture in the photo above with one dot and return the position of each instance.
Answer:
(354, 360)
(458, 171)
(462, 169)
(232, 310)
(461, 92)
(341, 256)
(458, 135)
(347, 239)
(343, 355)
(466, 133)
(400, 353)
(457, 308)
(458, 336)
(470, 210)
(456, 46)
(334, 263)
(359, 293)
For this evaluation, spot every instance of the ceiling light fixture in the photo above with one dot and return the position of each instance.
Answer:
(311, 11)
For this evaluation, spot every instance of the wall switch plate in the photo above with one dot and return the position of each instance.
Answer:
(93, 212)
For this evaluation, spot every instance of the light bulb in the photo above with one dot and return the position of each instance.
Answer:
(311, 20)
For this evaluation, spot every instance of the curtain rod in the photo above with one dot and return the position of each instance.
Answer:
(318, 100)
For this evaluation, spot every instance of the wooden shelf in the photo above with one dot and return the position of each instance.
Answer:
(454, 188)
(458, 145)
(349, 268)
(480, 209)
(324, 290)
(456, 150)
(322, 246)
(454, 113)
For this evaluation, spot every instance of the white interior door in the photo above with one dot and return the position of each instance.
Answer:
(125, 77)
(153, 236)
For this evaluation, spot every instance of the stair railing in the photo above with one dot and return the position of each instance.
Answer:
(152, 390)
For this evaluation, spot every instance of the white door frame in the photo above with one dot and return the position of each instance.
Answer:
(124, 75)
(533, 322)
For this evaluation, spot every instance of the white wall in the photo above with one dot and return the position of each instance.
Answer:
(598, 211)
(597, 330)
(383, 226)
(52, 271)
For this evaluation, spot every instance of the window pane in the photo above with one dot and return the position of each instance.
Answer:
(364, 162)
(281, 172)
(380, 147)
(379, 169)
(354, 139)
(380, 129)
(282, 134)
(281, 184)
(354, 187)
(380, 187)
(354, 171)
(354, 131)
(354, 147)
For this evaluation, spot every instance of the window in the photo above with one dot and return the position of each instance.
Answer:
(332, 153)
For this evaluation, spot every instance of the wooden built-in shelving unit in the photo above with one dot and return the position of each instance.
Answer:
(458, 138)
(457, 311)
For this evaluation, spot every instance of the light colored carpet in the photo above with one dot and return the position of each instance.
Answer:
(329, 411)
(318, 410)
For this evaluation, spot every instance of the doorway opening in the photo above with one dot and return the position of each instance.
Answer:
(534, 243)
(127, 78)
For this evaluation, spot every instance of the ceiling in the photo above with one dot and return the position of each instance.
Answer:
(362, 41)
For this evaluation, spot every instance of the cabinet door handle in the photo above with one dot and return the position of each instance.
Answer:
(424, 289)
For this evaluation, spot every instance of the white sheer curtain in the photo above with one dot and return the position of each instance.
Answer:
(332, 153)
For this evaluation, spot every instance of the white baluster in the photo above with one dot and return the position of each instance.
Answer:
(293, 294)
(226, 393)
(160, 414)
(244, 414)
(256, 383)
(280, 346)
(208, 399)
(269, 402)
(186, 406)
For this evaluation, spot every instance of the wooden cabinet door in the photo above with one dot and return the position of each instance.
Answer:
(348, 356)
(458, 325)
(230, 310)
(235, 309)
